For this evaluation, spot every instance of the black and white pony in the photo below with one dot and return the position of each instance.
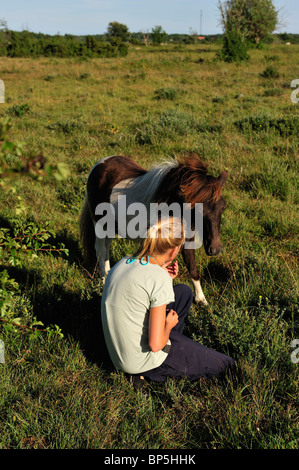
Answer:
(184, 181)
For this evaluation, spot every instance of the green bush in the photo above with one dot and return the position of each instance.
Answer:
(273, 92)
(19, 110)
(171, 123)
(67, 126)
(285, 126)
(270, 72)
(123, 49)
(166, 94)
(27, 44)
(276, 183)
(234, 48)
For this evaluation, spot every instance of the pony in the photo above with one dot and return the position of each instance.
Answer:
(181, 181)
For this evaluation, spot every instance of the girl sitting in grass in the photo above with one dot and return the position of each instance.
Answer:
(143, 314)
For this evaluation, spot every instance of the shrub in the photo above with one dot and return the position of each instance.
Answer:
(272, 58)
(49, 78)
(273, 92)
(169, 124)
(55, 50)
(270, 72)
(234, 47)
(19, 110)
(166, 94)
(244, 331)
(83, 76)
(67, 126)
(276, 183)
(285, 126)
(123, 49)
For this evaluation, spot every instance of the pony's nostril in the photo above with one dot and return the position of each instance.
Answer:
(213, 251)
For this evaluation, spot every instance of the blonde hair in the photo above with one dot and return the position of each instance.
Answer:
(165, 234)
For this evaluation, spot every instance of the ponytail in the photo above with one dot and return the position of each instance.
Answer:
(165, 234)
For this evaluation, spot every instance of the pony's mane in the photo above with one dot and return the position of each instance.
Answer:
(185, 179)
(196, 185)
(148, 183)
(188, 177)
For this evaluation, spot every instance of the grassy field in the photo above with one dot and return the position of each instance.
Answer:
(155, 103)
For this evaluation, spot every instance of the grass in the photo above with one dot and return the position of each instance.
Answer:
(157, 103)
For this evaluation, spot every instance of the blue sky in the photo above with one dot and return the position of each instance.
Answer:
(93, 16)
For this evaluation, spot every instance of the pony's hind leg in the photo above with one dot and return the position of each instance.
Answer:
(100, 250)
(108, 242)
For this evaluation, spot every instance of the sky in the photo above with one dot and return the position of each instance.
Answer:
(82, 17)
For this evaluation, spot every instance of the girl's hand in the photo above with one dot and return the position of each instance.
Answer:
(172, 269)
(161, 322)
(172, 319)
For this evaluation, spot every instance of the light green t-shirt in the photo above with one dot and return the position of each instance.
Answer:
(130, 291)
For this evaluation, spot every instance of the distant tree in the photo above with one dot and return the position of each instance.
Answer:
(245, 22)
(193, 35)
(118, 30)
(3, 25)
(158, 35)
(145, 35)
(4, 36)
(91, 43)
(253, 19)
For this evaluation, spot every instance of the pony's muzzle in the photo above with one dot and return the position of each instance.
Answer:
(214, 250)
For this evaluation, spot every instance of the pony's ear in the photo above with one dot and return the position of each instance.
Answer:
(223, 177)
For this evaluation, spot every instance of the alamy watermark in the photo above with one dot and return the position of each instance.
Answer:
(2, 92)
(294, 97)
(2, 349)
(295, 353)
(132, 220)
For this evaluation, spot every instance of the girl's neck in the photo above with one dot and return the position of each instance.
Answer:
(158, 259)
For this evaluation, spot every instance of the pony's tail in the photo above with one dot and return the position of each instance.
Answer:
(87, 235)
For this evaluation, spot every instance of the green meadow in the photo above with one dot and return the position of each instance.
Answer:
(156, 103)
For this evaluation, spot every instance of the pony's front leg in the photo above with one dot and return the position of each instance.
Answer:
(189, 258)
(199, 295)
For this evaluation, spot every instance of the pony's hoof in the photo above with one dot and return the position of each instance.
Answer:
(201, 301)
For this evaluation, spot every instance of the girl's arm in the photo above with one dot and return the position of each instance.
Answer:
(160, 326)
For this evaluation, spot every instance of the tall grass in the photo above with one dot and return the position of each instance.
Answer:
(152, 104)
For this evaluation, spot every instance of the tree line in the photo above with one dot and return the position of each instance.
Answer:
(246, 24)
(115, 42)
(28, 44)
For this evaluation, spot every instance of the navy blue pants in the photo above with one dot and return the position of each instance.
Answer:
(188, 358)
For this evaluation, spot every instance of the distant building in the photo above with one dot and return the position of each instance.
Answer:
(201, 38)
